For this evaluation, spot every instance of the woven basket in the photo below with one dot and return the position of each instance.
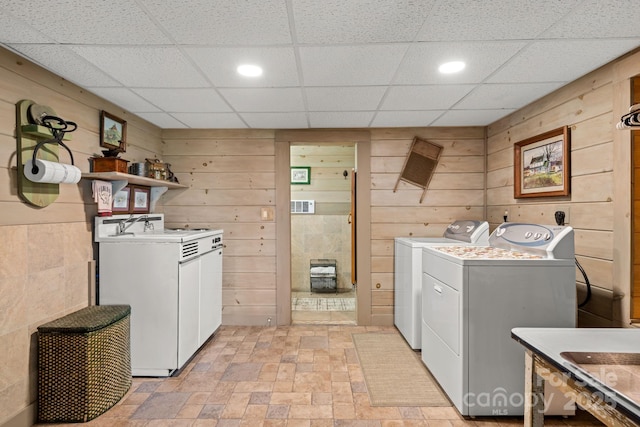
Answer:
(84, 363)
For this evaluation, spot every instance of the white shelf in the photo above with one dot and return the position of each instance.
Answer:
(132, 179)
(120, 180)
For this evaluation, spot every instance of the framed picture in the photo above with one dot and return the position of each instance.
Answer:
(542, 165)
(300, 175)
(121, 200)
(140, 199)
(113, 132)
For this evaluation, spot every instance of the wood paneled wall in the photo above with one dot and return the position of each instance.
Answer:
(47, 266)
(599, 152)
(456, 191)
(231, 178)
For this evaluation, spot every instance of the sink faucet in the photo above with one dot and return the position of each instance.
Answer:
(122, 227)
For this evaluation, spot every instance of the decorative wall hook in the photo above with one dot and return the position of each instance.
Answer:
(630, 120)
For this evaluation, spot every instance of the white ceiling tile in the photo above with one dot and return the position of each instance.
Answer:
(492, 19)
(143, 66)
(350, 65)
(430, 97)
(14, 30)
(64, 62)
(405, 118)
(276, 120)
(210, 120)
(501, 96)
(482, 58)
(599, 19)
(264, 99)
(126, 99)
(223, 22)
(471, 117)
(349, 119)
(199, 100)
(220, 64)
(83, 22)
(565, 60)
(162, 120)
(344, 98)
(358, 21)
(329, 63)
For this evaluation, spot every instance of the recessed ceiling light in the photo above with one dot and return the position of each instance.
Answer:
(451, 67)
(249, 70)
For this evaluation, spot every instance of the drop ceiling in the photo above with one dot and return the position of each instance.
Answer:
(326, 63)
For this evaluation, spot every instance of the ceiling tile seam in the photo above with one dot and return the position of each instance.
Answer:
(391, 84)
(296, 55)
(181, 49)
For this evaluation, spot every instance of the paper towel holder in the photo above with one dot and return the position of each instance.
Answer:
(37, 126)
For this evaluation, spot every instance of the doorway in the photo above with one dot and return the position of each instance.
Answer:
(322, 286)
(362, 140)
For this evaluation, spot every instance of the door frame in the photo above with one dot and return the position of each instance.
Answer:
(283, 141)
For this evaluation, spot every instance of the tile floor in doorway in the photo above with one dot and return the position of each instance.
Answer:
(323, 317)
(290, 376)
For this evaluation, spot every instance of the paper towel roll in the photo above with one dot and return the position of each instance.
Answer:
(52, 172)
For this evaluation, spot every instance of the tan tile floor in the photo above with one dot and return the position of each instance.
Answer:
(323, 317)
(296, 376)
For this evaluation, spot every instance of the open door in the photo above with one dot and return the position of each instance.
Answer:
(352, 221)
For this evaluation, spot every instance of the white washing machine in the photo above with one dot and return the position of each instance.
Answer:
(473, 296)
(408, 272)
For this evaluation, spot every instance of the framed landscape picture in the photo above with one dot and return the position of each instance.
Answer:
(113, 132)
(300, 175)
(542, 165)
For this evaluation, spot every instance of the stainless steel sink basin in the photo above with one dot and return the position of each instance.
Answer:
(618, 371)
(590, 358)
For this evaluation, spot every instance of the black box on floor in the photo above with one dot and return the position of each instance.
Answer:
(323, 275)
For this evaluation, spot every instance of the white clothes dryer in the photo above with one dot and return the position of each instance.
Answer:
(408, 272)
(473, 296)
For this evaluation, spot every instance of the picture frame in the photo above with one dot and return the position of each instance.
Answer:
(121, 201)
(113, 132)
(300, 175)
(140, 199)
(542, 165)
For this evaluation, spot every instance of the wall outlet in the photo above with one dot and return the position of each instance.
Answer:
(564, 209)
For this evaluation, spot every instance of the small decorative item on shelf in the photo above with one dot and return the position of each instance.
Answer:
(156, 169)
(108, 164)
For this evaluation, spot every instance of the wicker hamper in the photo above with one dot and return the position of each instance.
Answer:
(84, 363)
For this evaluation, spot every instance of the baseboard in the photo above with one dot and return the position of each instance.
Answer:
(24, 418)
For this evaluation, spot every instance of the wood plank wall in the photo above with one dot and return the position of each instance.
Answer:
(231, 177)
(635, 134)
(587, 106)
(47, 266)
(456, 191)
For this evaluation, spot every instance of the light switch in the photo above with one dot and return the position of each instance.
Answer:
(266, 214)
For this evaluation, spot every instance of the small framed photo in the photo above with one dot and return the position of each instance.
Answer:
(300, 175)
(542, 165)
(121, 200)
(113, 132)
(140, 199)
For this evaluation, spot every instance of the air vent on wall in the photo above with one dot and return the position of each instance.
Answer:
(303, 206)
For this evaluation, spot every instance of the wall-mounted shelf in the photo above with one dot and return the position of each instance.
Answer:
(120, 180)
(132, 179)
